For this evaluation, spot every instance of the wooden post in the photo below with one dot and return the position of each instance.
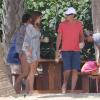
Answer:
(85, 83)
(54, 73)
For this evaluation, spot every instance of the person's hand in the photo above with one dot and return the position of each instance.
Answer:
(29, 52)
(57, 56)
(81, 45)
(59, 50)
(98, 64)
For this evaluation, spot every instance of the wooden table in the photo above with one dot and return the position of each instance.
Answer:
(51, 79)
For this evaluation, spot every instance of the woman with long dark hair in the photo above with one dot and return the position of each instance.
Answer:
(31, 46)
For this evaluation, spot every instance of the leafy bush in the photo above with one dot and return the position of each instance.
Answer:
(53, 13)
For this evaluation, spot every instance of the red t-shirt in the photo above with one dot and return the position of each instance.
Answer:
(70, 34)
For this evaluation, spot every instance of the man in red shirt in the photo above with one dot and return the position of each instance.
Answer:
(70, 34)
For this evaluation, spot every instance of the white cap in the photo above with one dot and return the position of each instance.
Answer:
(70, 10)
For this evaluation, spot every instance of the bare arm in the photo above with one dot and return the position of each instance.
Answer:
(58, 42)
(81, 37)
(98, 60)
(97, 54)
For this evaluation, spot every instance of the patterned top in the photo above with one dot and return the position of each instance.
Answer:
(16, 45)
(31, 44)
(20, 37)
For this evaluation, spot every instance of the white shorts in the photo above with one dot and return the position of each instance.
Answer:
(15, 69)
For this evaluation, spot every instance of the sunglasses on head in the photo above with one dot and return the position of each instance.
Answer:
(69, 14)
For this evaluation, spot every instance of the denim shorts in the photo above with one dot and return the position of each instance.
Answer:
(71, 60)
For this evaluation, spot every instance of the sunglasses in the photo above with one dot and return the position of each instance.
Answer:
(69, 14)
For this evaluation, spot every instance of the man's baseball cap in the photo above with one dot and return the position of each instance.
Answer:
(70, 10)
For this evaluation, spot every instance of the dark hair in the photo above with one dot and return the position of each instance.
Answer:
(35, 15)
(25, 17)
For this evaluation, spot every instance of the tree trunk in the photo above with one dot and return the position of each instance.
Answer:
(6, 88)
(96, 20)
(12, 13)
(96, 15)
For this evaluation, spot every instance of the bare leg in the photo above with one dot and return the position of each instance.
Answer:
(27, 86)
(74, 79)
(24, 74)
(30, 78)
(66, 74)
(18, 87)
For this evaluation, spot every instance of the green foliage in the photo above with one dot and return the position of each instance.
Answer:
(53, 13)
(1, 3)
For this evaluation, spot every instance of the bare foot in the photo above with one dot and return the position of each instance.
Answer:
(63, 88)
(31, 92)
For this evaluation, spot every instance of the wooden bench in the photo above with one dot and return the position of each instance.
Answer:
(51, 79)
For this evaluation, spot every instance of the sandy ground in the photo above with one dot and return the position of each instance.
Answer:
(68, 96)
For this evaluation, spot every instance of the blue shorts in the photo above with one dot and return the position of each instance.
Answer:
(71, 60)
